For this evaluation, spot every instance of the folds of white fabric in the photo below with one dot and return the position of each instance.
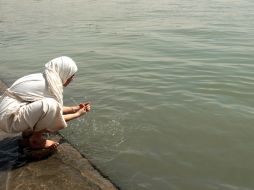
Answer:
(36, 116)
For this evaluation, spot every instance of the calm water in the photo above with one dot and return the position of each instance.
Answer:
(171, 83)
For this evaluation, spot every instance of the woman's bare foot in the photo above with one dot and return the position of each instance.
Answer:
(37, 141)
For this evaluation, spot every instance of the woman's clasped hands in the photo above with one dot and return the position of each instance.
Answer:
(83, 108)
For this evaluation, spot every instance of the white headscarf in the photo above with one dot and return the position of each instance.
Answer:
(57, 72)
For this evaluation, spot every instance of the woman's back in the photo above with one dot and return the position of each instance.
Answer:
(30, 86)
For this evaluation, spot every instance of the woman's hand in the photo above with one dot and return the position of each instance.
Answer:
(81, 112)
(83, 108)
(86, 106)
(77, 111)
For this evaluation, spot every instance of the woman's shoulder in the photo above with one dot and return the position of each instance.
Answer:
(33, 77)
(29, 78)
(33, 83)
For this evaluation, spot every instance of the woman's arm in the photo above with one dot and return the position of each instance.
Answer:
(71, 116)
(76, 111)
(72, 109)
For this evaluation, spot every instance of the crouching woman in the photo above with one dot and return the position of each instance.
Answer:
(33, 104)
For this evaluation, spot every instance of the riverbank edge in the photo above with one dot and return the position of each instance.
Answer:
(103, 175)
(65, 169)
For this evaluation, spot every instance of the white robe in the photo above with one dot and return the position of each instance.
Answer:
(40, 110)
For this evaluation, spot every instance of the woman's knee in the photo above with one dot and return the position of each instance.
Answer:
(51, 110)
(32, 114)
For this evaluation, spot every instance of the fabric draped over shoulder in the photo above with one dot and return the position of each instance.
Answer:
(23, 89)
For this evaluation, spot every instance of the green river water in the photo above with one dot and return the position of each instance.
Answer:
(171, 83)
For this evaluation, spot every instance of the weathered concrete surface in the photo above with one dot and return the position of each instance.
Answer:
(65, 169)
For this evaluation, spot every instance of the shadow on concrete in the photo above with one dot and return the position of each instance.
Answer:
(11, 155)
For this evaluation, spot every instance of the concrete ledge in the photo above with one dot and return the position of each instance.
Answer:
(65, 169)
